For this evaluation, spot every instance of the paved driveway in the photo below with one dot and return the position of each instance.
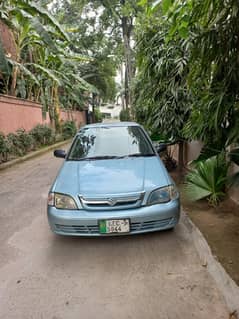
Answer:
(43, 276)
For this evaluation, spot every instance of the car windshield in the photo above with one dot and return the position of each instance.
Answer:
(110, 142)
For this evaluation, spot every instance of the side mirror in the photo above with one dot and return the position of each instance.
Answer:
(161, 148)
(60, 153)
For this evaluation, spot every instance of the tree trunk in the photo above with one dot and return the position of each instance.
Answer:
(14, 81)
(181, 155)
(93, 107)
(127, 27)
(122, 84)
(126, 89)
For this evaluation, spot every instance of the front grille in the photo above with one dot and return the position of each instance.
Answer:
(134, 227)
(112, 202)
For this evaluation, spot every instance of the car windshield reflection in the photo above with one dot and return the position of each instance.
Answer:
(102, 143)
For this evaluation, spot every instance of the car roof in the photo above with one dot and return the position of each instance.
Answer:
(113, 124)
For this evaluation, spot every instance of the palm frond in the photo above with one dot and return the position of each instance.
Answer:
(207, 180)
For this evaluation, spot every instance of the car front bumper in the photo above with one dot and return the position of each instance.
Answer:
(85, 223)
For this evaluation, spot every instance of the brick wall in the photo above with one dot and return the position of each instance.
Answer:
(18, 113)
(78, 117)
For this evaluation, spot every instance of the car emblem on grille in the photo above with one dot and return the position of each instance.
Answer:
(111, 201)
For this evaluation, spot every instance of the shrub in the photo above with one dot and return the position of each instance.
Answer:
(3, 148)
(68, 129)
(19, 143)
(124, 115)
(43, 135)
(14, 145)
(25, 141)
(208, 180)
(98, 116)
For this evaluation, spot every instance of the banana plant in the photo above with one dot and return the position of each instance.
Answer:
(42, 66)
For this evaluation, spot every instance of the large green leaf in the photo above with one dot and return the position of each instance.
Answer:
(44, 34)
(49, 73)
(86, 85)
(40, 29)
(77, 57)
(70, 78)
(207, 180)
(35, 9)
(155, 4)
(166, 4)
(24, 70)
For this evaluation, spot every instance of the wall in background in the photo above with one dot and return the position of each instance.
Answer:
(18, 113)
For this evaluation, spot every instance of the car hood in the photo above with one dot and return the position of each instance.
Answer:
(114, 176)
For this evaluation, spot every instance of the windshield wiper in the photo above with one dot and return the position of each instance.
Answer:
(92, 158)
(105, 157)
(139, 155)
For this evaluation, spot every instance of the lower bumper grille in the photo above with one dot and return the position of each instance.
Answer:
(155, 224)
(134, 227)
(78, 229)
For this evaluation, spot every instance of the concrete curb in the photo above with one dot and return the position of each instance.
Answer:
(32, 155)
(225, 283)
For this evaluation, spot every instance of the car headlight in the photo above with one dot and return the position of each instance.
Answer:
(61, 201)
(163, 195)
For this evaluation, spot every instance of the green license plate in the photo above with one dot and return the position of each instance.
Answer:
(114, 226)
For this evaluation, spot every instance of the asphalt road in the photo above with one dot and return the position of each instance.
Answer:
(43, 276)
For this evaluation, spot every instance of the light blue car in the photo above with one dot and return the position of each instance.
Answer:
(112, 182)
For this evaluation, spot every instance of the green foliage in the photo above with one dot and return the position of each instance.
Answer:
(98, 116)
(187, 84)
(231, 156)
(68, 129)
(3, 148)
(45, 66)
(162, 99)
(25, 141)
(104, 30)
(212, 30)
(158, 137)
(208, 180)
(101, 73)
(21, 142)
(42, 135)
(124, 115)
(14, 144)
